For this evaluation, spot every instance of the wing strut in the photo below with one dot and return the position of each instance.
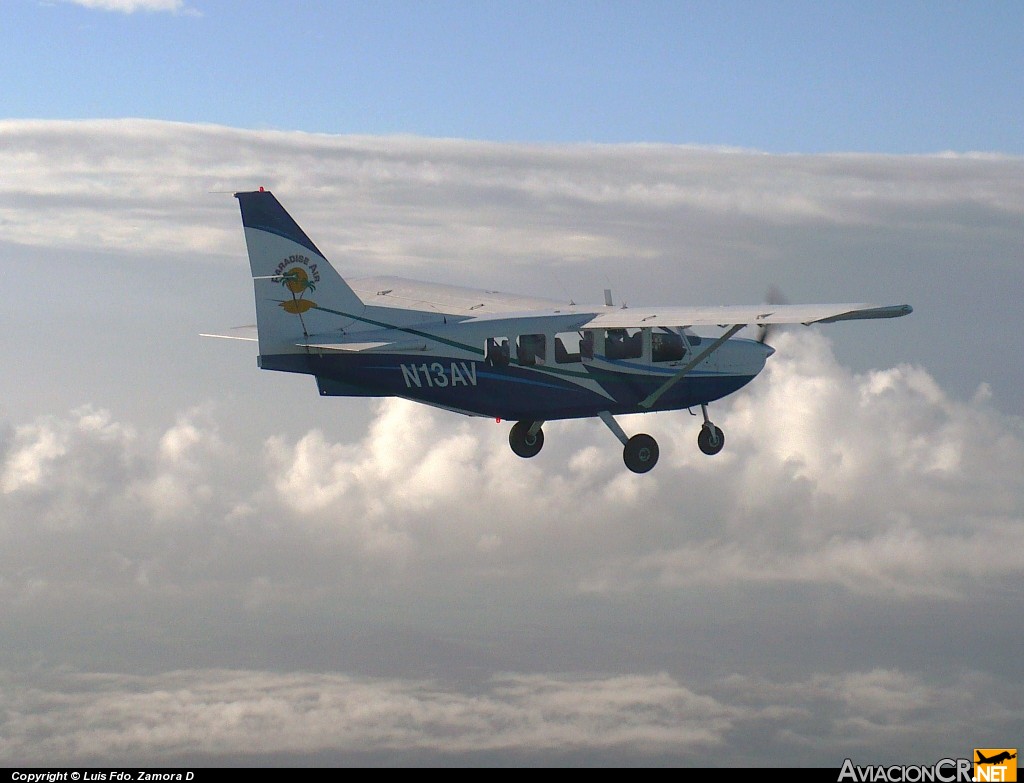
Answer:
(654, 396)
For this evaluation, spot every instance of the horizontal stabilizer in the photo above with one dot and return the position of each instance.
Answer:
(247, 333)
(409, 345)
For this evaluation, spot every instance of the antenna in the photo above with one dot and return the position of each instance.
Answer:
(562, 286)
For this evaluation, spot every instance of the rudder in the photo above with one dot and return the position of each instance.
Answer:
(298, 292)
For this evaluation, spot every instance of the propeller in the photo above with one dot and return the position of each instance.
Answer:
(773, 297)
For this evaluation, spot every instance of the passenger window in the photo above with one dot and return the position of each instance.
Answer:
(568, 347)
(666, 346)
(623, 344)
(587, 344)
(531, 349)
(496, 352)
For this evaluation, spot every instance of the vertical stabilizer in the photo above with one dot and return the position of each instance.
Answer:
(298, 292)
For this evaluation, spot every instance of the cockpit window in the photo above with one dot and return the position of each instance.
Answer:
(666, 346)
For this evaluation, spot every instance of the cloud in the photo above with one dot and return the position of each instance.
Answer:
(131, 6)
(877, 483)
(77, 717)
(659, 224)
(67, 717)
(412, 202)
(844, 575)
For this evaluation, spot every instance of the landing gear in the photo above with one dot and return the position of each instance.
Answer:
(640, 453)
(711, 439)
(526, 438)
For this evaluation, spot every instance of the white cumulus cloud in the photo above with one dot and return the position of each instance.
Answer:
(878, 483)
(131, 6)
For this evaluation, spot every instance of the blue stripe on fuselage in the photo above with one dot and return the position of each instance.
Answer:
(511, 392)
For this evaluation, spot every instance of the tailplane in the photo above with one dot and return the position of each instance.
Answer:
(298, 292)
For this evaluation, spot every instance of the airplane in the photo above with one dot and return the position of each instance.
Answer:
(996, 759)
(513, 358)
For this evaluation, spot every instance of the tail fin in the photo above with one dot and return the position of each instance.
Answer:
(298, 292)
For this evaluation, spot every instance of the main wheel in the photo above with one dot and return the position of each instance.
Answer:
(522, 442)
(711, 440)
(640, 453)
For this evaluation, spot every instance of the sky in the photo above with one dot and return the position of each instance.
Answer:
(909, 77)
(202, 563)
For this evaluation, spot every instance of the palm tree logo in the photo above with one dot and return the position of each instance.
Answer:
(298, 280)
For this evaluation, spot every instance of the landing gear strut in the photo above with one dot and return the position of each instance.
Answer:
(711, 439)
(640, 453)
(526, 438)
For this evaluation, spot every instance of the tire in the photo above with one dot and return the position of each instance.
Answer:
(522, 443)
(640, 453)
(711, 443)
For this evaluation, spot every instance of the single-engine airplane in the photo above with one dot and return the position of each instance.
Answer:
(485, 353)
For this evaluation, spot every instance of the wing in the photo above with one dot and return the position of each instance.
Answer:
(635, 317)
(448, 299)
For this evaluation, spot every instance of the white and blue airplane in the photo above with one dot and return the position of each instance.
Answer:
(503, 356)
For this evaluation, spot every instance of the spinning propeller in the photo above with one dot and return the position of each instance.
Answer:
(773, 297)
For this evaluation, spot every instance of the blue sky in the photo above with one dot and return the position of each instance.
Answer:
(908, 77)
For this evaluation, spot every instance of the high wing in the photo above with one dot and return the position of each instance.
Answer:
(404, 294)
(636, 317)
(468, 305)
(480, 304)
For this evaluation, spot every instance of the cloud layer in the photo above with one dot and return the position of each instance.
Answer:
(104, 518)
(222, 714)
(658, 224)
(196, 558)
(877, 483)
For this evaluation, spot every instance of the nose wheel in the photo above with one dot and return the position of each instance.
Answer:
(711, 439)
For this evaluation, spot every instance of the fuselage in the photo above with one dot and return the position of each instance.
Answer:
(538, 368)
